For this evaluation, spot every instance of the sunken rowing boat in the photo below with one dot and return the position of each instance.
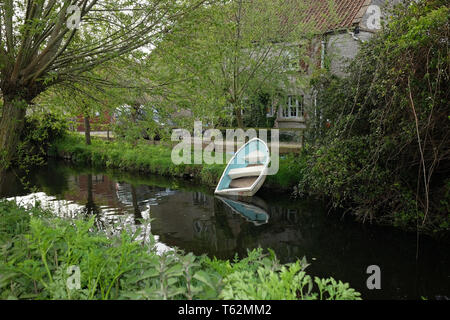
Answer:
(246, 171)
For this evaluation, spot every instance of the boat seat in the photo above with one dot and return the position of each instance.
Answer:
(250, 171)
(242, 182)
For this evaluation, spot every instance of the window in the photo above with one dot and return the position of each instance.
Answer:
(293, 107)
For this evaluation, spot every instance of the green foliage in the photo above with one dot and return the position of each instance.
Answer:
(268, 284)
(261, 277)
(39, 52)
(288, 283)
(331, 289)
(38, 249)
(293, 168)
(39, 132)
(252, 262)
(255, 115)
(381, 138)
(14, 220)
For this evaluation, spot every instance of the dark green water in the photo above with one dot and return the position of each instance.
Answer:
(188, 216)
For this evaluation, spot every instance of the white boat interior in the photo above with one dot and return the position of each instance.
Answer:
(246, 172)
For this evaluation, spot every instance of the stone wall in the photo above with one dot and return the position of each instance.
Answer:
(342, 47)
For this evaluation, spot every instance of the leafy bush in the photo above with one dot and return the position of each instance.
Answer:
(37, 136)
(288, 283)
(262, 277)
(14, 220)
(385, 153)
(293, 167)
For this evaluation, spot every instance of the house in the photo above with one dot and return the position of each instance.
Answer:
(342, 26)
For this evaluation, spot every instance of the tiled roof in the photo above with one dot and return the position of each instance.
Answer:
(326, 15)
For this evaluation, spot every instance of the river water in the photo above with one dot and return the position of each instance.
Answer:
(188, 216)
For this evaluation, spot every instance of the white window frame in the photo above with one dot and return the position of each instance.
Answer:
(293, 107)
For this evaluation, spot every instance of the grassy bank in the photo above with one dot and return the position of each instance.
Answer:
(147, 158)
(316, 172)
(38, 249)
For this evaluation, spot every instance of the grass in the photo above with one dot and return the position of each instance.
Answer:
(45, 257)
(156, 159)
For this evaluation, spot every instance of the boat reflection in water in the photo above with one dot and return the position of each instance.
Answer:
(253, 209)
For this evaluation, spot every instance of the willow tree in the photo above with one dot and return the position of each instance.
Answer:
(49, 42)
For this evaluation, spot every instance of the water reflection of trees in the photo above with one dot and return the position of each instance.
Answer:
(90, 208)
(137, 210)
(195, 222)
(218, 230)
(199, 198)
(190, 220)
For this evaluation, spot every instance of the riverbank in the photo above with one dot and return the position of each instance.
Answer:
(156, 159)
(40, 248)
(299, 174)
(283, 147)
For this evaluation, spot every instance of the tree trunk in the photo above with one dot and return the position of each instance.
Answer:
(87, 129)
(238, 113)
(11, 125)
